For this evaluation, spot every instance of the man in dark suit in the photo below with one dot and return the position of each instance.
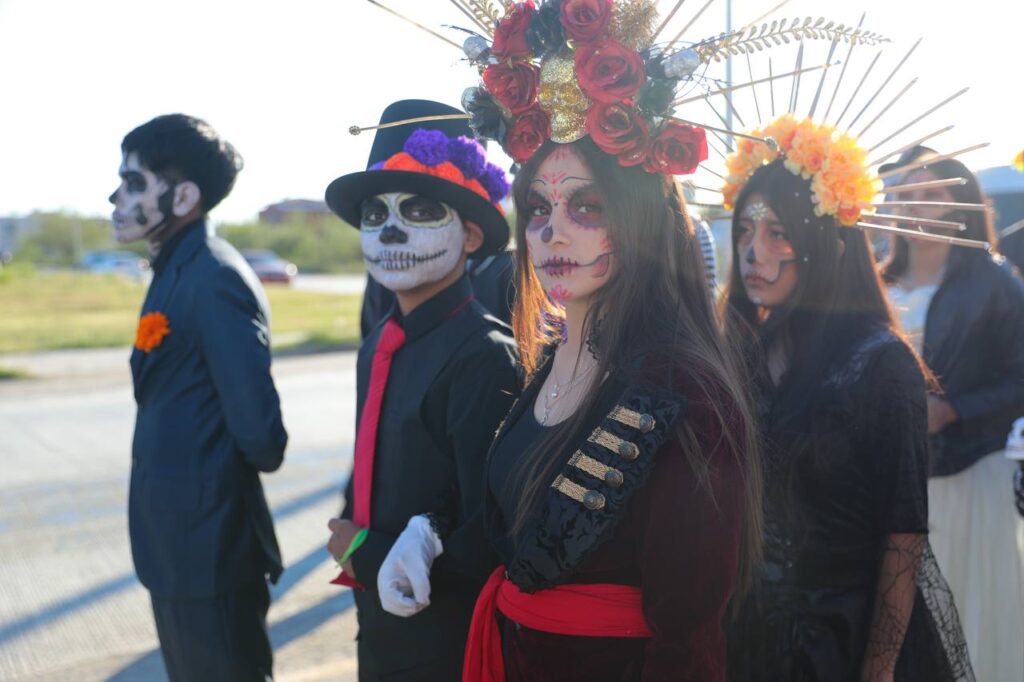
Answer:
(208, 418)
(435, 376)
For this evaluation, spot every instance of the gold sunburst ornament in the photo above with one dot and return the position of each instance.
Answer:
(565, 69)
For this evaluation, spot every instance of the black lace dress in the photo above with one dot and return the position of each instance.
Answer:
(842, 475)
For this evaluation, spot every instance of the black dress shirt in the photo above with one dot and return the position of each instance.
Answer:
(448, 388)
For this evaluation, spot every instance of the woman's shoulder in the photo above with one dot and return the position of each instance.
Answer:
(880, 356)
(986, 275)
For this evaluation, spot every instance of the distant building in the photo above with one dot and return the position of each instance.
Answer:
(12, 230)
(307, 210)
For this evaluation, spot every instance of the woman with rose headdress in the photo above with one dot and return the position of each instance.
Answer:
(621, 499)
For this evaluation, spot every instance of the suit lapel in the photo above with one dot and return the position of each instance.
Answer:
(157, 301)
(158, 298)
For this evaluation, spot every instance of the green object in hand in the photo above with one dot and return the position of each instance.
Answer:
(356, 543)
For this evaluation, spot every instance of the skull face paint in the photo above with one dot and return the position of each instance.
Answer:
(142, 203)
(567, 234)
(765, 256)
(409, 240)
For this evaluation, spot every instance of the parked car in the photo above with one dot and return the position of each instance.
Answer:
(116, 262)
(270, 267)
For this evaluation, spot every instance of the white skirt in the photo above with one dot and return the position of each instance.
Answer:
(978, 540)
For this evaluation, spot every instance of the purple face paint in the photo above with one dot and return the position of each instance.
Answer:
(586, 208)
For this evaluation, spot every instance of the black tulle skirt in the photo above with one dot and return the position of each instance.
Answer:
(793, 633)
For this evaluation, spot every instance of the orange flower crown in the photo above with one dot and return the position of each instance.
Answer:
(841, 184)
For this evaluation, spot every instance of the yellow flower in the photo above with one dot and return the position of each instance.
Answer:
(1018, 161)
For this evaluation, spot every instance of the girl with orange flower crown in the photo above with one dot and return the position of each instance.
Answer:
(848, 589)
(621, 493)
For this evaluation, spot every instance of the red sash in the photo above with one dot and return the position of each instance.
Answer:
(580, 610)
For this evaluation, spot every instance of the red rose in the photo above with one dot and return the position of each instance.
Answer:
(677, 150)
(618, 130)
(529, 132)
(510, 35)
(608, 71)
(514, 86)
(586, 20)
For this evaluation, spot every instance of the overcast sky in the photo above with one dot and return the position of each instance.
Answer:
(283, 81)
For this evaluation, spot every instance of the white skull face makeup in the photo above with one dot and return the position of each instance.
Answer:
(567, 233)
(143, 203)
(409, 240)
(765, 256)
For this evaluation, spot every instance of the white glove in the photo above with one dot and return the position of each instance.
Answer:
(403, 581)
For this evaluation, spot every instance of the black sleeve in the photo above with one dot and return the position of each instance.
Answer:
(897, 433)
(234, 331)
(1005, 330)
(1018, 488)
(482, 390)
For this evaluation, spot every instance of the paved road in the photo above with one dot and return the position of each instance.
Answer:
(70, 606)
(331, 284)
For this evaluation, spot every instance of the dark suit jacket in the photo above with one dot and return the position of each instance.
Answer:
(448, 388)
(208, 421)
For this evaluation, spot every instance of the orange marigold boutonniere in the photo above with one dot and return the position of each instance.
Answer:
(153, 327)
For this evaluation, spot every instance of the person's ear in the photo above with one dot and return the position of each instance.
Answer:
(186, 198)
(474, 237)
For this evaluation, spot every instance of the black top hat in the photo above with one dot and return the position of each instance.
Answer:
(345, 195)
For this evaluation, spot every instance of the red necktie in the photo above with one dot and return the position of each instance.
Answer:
(391, 339)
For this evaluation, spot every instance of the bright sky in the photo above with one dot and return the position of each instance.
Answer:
(283, 81)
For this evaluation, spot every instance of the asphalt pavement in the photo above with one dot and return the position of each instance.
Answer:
(70, 605)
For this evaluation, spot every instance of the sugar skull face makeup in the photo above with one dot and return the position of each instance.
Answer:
(567, 233)
(409, 240)
(766, 258)
(143, 203)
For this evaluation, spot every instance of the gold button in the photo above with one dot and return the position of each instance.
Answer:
(613, 477)
(628, 450)
(593, 500)
(646, 423)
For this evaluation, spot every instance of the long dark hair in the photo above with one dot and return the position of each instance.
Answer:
(656, 305)
(839, 298)
(978, 223)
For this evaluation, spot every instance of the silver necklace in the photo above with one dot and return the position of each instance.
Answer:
(551, 396)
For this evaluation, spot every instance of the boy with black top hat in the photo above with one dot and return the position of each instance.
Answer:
(434, 379)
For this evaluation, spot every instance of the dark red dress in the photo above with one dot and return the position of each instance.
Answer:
(658, 530)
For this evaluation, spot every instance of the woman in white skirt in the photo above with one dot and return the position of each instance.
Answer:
(964, 311)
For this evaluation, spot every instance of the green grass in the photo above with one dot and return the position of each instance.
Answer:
(7, 373)
(46, 311)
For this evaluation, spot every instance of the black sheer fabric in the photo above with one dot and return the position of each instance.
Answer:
(1018, 488)
(846, 522)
